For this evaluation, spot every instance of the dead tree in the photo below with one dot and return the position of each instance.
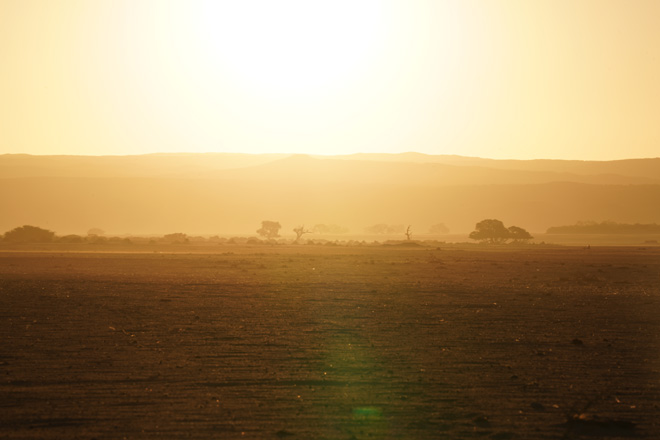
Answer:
(300, 231)
(408, 233)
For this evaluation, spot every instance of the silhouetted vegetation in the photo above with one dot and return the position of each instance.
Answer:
(72, 238)
(176, 238)
(606, 227)
(494, 232)
(29, 234)
(519, 235)
(383, 228)
(439, 229)
(329, 229)
(97, 239)
(300, 231)
(408, 233)
(491, 231)
(269, 229)
(96, 231)
(444, 189)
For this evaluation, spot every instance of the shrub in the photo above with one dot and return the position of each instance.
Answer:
(29, 234)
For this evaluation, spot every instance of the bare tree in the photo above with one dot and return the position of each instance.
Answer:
(408, 233)
(300, 231)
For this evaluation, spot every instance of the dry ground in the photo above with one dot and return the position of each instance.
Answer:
(311, 342)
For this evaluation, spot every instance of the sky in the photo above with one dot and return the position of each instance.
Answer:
(559, 79)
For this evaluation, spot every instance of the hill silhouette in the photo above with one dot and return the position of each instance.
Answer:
(232, 193)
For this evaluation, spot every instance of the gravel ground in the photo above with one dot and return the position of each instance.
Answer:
(320, 342)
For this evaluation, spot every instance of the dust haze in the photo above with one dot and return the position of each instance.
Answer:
(353, 297)
(213, 194)
(329, 220)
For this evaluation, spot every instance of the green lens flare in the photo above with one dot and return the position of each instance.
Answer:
(367, 413)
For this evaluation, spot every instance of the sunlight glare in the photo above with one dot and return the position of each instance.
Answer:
(290, 46)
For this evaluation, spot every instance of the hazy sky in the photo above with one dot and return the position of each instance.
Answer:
(574, 79)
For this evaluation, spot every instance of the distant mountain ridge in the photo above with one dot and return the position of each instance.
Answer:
(231, 193)
(449, 169)
(147, 165)
(644, 167)
(429, 172)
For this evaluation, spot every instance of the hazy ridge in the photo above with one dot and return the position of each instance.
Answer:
(231, 193)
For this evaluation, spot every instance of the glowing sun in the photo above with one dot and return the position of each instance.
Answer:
(290, 46)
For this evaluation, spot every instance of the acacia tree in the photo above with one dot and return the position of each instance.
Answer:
(494, 232)
(490, 231)
(300, 231)
(269, 229)
(519, 235)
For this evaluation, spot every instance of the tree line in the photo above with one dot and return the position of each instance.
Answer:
(606, 227)
(489, 231)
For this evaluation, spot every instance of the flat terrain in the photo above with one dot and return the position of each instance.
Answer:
(322, 342)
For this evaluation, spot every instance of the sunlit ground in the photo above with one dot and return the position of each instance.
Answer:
(331, 342)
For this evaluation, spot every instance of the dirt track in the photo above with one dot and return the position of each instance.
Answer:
(308, 342)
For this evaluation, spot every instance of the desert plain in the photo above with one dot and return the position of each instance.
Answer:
(329, 342)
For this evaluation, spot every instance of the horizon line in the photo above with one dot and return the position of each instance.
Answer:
(320, 155)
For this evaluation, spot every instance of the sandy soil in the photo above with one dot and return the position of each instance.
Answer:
(310, 342)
